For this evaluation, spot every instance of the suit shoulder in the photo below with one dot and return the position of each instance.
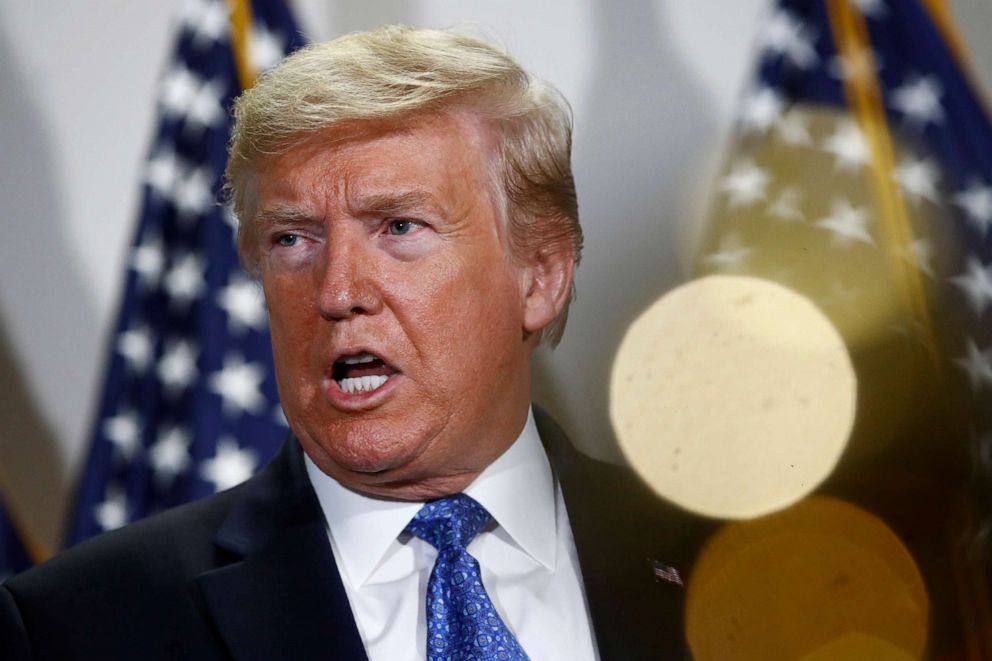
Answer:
(136, 593)
(130, 593)
(156, 549)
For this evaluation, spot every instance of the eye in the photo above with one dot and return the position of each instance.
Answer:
(287, 240)
(401, 227)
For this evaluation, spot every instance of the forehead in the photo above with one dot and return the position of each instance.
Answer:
(446, 155)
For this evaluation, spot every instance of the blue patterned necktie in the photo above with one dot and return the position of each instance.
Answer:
(462, 623)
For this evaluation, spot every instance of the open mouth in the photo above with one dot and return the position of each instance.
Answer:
(361, 373)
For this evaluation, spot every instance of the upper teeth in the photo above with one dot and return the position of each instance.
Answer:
(359, 358)
(362, 383)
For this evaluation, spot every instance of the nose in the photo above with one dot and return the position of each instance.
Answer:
(347, 280)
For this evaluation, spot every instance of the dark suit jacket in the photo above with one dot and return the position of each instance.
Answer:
(249, 574)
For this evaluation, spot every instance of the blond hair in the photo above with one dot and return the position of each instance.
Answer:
(394, 71)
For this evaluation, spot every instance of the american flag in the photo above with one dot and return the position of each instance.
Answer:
(860, 174)
(189, 403)
(663, 572)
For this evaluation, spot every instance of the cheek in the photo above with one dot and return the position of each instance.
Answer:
(469, 307)
(290, 314)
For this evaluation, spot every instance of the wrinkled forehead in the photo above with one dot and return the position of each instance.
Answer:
(472, 129)
(446, 154)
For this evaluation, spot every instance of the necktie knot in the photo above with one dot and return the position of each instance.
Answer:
(451, 522)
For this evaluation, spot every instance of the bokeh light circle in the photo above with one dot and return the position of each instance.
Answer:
(821, 580)
(732, 396)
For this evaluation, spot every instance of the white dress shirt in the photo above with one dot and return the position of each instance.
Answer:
(527, 556)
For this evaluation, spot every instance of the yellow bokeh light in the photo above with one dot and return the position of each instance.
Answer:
(733, 396)
(858, 646)
(821, 580)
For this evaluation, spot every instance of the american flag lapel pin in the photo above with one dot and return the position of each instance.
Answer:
(663, 572)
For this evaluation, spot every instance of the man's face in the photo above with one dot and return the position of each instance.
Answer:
(397, 315)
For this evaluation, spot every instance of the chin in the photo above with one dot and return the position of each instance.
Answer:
(367, 451)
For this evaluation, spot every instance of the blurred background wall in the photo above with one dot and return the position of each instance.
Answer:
(653, 83)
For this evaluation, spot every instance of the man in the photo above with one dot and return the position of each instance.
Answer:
(406, 201)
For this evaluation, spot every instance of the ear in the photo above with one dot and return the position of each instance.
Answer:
(547, 284)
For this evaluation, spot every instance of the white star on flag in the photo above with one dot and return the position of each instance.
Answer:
(784, 35)
(177, 367)
(148, 260)
(208, 21)
(266, 48)
(976, 283)
(978, 364)
(179, 86)
(238, 384)
(919, 101)
(920, 254)
(787, 206)
(135, 345)
(230, 466)
(793, 128)
(123, 430)
(193, 11)
(730, 254)
(187, 95)
(745, 184)
(976, 201)
(847, 143)
(761, 109)
(112, 512)
(162, 172)
(859, 65)
(918, 179)
(184, 281)
(191, 194)
(205, 107)
(242, 300)
(169, 456)
(846, 223)
(844, 297)
(872, 8)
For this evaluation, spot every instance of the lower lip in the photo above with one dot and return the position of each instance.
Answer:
(358, 401)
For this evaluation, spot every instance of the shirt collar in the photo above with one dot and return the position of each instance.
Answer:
(518, 489)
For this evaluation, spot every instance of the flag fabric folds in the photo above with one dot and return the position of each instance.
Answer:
(861, 139)
(860, 175)
(189, 403)
(14, 555)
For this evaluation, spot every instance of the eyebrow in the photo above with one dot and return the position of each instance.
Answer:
(384, 204)
(282, 215)
(376, 204)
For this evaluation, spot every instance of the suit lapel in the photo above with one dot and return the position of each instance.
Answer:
(280, 595)
(277, 592)
(619, 528)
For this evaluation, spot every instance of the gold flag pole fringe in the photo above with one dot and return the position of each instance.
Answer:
(864, 98)
(241, 29)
